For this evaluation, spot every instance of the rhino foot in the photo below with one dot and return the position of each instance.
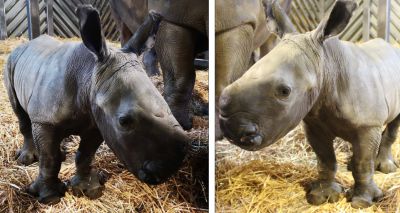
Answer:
(323, 191)
(26, 156)
(47, 192)
(385, 165)
(364, 196)
(91, 185)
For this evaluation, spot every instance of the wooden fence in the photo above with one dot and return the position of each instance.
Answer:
(55, 17)
(371, 19)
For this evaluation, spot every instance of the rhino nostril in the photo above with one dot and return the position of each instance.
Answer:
(249, 129)
(251, 140)
(142, 175)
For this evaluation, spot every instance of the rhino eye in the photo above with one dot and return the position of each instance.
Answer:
(125, 121)
(283, 91)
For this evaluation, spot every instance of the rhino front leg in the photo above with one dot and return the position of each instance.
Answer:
(175, 46)
(87, 181)
(384, 161)
(47, 186)
(325, 188)
(365, 148)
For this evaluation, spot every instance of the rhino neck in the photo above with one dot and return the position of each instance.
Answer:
(333, 70)
(81, 66)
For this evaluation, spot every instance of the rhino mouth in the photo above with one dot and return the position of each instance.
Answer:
(242, 132)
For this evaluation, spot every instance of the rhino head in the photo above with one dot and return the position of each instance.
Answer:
(132, 116)
(277, 92)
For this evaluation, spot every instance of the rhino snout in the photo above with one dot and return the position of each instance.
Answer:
(241, 131)
(158, 171)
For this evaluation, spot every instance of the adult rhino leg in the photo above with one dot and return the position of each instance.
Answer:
(87, 181)
(175, 46)
(325, 188)
(365, 148)
(125, 33)
(233, 53)
(269, 44)
(47, 186)
(384, 161)
(150, 62)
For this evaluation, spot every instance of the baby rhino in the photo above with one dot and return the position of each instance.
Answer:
(57, 89)
(339, 89)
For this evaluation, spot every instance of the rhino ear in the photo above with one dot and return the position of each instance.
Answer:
(278, 21)
(149, 27)
(337, 20)
(90, 28)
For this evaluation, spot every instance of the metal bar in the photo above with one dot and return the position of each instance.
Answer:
(33, 18)
(384, 19)
(366, 20)
(50, 17)
(3, 26)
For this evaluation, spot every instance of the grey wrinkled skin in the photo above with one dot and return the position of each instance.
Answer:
(182, 34)
(57, 89)
(338, 88)
(241, 28)
(129, 15)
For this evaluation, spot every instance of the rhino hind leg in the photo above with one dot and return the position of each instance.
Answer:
(28, 153)
(175, 47)
(47, 187)
(87, 181)
(365, 146)
(325, 189)
(384, 161)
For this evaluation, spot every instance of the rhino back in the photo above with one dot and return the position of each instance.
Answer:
(234, 13)
(368, 89)
(46, 76)
(385, 60)
(190, 13)
(131, 12)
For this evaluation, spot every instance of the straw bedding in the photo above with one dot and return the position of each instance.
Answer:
(274, 179)
(185, 192)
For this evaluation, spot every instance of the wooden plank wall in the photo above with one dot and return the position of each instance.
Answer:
(64, 19)
(306, 14)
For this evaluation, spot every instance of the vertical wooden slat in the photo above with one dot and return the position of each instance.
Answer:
(321, 11)
(366, 20)
(33, 18)
(50, 17)
(384, 19)
(3, 27)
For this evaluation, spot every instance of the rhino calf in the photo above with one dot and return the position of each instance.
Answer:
(338, 88)
(57, 89)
